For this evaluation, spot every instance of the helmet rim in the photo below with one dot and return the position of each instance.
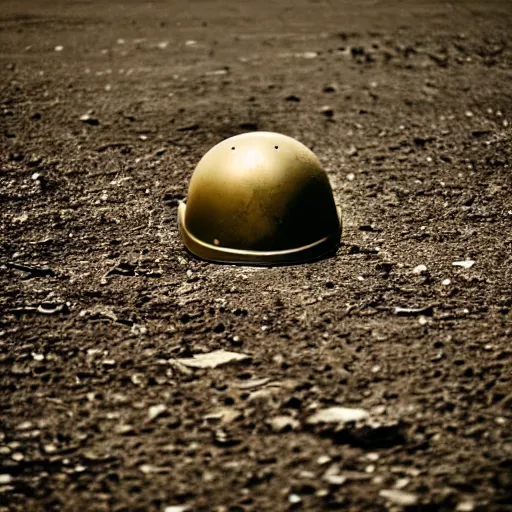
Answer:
(219, 254)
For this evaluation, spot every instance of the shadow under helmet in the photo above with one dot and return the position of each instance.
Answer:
(259, 198)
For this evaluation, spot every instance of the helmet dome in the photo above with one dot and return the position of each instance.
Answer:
(259, 198)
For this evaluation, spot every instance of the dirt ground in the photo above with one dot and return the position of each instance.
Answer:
(106, 107)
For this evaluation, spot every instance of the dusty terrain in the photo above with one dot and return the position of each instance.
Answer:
(106, 107)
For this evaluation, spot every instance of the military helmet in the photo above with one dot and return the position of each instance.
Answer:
(259, 198)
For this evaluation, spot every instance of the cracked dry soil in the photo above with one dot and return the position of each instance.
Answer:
(105, 110)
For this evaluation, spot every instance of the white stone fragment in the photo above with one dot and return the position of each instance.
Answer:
(212, 359)
(337, 415)
(156, 410)
(464, 263)
(403, 498)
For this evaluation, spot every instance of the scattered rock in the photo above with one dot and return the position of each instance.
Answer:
(333, 476)
(358, 428)
(223, 438)
(352, 151)
(149, 469)
(463, 264)
(307, 55)
(280, 424)
(5, 479)
(262, 396)
(224, 415)
(155, 411)
(426, 311)
(253, 383)
(213, 359)
(397, 497)
(217, 72)
(25, 425)
(188, 128)
(337, 415)
(335, 480)
(177, 508)
(465, 506)
(88, 119)
(124, 429)
(439, 58)
(294, 499)
(31, 270)
(123, 269)
(327, 111)
(419, 269)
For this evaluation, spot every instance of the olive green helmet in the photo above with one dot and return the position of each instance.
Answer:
(259, 198)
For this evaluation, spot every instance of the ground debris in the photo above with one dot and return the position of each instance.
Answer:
(358, 427)
(213, 359)
(45, 308)
(156, 410)
(223, 415)
(88, 119)
(280, 424)
(327, 111)
(337, 415)
(188, 128)
(419, 269)
(397, 497)
(149, 469)
(425, 311)
(253, 383)
(333, 475)
(31, 270)
(464, 263)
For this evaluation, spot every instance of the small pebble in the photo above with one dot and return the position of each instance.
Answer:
(403, 498)
(465, 506)
(419, 269)
(294, 499)
(280, 424)
(156, 410)
(337, 415)
(327, 111)
(463, 264)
